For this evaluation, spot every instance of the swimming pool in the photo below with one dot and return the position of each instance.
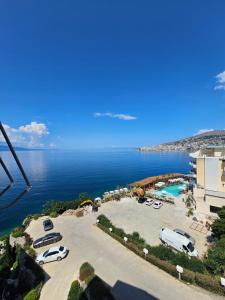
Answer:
(172, 190)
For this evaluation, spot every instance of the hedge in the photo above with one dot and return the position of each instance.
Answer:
(165, 259)
(33, 294)
(86, 272)
(75, 291)
(160, 251)
(209, 283)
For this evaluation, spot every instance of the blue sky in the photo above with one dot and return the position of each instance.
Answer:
(111, 73)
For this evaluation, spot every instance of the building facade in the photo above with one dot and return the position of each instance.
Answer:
(209, 166)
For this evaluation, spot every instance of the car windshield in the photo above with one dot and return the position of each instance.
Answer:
(45, 253)
(187, 235)
(61, 248)
(191, 247)
(49, 235)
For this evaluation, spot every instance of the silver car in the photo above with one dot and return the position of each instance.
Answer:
(185, 234)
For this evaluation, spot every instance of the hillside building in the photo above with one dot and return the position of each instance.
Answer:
(208, 167)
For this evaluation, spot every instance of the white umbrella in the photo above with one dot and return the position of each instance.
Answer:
(159, 184)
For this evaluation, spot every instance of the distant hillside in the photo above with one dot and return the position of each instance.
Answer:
(216, 137)
(5, 148)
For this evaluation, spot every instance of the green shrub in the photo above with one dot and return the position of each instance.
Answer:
(33, 294)
(191, 263)
(53, 214)
(8, 257)
(31, 252)
(119, 232)
(215, 263)
(26, 221)
(218, 227)
(36, 216)
(15, 265)
(104, 221)
(137, 239)
(89, 279)
(60, 206)
(86, 270)
(162, 264)
(209, 283)
(17, 232)
(188, 276)
(75, 291)
(3, 238)
(162, 252)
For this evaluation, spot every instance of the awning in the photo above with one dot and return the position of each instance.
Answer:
(160, 184)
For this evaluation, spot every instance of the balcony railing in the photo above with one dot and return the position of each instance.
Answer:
(193, 165)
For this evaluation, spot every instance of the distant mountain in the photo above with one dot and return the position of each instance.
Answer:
(5, 148)
(215, 138)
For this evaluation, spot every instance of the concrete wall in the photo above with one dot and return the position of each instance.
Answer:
(200, 171)
(212, 175)
(214, 201)
(203, 206)
(221, 172)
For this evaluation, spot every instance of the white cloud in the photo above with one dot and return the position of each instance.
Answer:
(200, 131)
(34, 127)
(220, 81)
(125, 117)
(29, 135)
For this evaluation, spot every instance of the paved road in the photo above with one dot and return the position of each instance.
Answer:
(130, 276)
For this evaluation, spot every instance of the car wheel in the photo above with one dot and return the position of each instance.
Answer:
(41, 262)
(59, 258)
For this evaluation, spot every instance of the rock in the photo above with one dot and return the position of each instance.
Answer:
(17, 241)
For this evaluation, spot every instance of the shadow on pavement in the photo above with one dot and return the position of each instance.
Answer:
(125, 291)
(98, 289)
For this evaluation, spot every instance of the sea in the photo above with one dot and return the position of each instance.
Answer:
(64, 174)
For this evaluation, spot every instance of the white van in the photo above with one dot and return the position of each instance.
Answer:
(177, 241)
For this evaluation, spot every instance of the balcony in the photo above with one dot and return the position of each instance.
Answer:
(192, 164)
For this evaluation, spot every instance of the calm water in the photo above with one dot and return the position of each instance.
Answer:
(62, 175)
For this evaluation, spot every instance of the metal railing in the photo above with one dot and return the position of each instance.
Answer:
(8, 174)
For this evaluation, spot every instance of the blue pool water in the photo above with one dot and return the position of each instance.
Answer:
(172, 190)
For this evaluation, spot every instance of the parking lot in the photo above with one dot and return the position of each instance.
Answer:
(133, 216)
(129, 276)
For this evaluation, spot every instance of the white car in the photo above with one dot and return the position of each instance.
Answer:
(149, 202)
(52, 254)
(157, 204)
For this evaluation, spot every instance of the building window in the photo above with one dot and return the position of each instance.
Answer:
(214, 209)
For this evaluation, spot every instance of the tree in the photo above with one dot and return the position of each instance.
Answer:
(215, 262)
(221, 213)
(218, 227)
